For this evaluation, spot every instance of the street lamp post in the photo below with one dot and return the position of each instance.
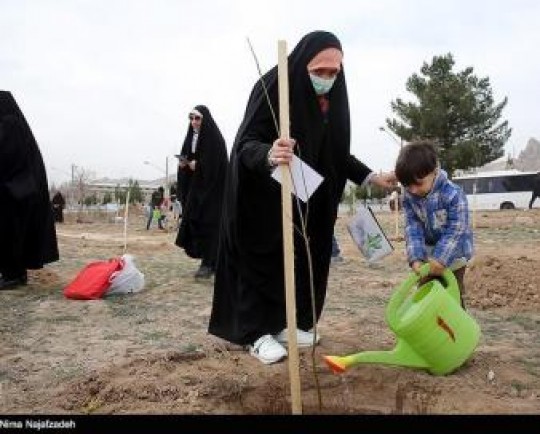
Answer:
(167, 195)
(400, 142)
(149, 163)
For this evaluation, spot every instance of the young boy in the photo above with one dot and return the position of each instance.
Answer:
(437, 227)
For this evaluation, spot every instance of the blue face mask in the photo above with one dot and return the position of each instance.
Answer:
(321, 85)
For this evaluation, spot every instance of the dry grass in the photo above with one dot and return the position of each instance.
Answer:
(150, 353)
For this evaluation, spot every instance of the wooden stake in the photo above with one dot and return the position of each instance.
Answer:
(126, 212)
(288, 245)
(396, 216)
(474, 207)
(396, 213)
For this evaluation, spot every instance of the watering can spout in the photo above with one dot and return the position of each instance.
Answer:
(401, 355)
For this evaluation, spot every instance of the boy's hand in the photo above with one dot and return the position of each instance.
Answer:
(435, 267)
(416, 266)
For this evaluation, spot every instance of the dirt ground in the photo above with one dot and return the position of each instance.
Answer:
(149, 353)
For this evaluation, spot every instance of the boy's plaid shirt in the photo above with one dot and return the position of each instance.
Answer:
(439, 221)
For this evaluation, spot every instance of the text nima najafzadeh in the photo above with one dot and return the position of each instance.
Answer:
(37, 424)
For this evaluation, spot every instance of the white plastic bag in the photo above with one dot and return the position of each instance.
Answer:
(368, 234)
(128, 280)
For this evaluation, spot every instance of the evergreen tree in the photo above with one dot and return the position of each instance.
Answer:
(90, 200)
(135, 192)
(455, 110)
(119, 194)
(107, 198)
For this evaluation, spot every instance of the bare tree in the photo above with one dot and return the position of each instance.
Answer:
(81, 180)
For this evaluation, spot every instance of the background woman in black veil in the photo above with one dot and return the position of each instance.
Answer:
(201, 177)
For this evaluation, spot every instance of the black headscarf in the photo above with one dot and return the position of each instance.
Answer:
(249, 289)
(201, 191)
(306, 125)
(27, 232)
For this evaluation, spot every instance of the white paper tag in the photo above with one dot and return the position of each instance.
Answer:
(305, 180)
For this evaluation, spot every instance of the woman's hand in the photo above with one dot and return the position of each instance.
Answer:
(384, 180)
(281, 152)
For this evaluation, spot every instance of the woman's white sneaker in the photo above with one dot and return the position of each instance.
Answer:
(303, 339)
(267, 350)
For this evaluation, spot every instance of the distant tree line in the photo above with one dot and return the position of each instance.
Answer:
(78, 190)
(456, 110)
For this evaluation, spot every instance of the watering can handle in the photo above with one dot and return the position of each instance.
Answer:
(401, 293)
(424, 271)
(448, 276)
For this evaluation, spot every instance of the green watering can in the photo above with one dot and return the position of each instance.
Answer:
(432, 329)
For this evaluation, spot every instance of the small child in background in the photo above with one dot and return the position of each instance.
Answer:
(437, 229)
(156, 205)
(336, 251)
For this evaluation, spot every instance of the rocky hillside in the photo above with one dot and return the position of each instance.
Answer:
(528, 159)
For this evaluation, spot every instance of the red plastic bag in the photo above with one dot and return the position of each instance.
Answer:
(93, 280)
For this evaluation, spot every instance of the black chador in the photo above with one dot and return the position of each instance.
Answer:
(27, 232)
(201, 191)
(249, 294)
(58, 204)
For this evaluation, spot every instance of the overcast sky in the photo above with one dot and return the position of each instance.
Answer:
(108, 84)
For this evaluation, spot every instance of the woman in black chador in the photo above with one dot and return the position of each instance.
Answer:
(201, 177)
(249, 295)
(58, 204)
(27, 232)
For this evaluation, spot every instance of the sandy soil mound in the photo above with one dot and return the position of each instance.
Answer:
(513, 282)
